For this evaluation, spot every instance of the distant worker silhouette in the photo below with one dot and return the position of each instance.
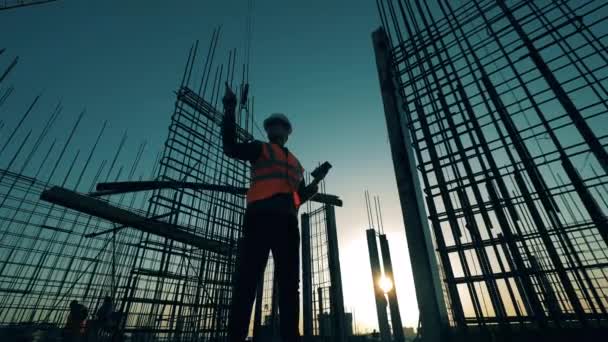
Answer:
(74, 328)
(276, 192)
(103, 323)
(104, 313)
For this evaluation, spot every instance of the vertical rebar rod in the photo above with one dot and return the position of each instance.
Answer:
(560, 94)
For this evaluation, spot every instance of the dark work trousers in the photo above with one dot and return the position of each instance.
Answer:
(264, 232)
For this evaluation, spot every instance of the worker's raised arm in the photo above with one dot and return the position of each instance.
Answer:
(244, 151)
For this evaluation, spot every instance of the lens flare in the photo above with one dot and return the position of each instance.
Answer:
(385, 284)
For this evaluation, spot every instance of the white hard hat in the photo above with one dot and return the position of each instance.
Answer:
(274, 117)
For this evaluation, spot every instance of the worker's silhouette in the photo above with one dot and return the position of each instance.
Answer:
(104, 313)
(104, 322)
(75, 325)
(271, 222)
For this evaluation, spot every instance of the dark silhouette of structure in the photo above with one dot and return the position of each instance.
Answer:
(385, 295)
(497, 121)
(158, 239)
(323, 300)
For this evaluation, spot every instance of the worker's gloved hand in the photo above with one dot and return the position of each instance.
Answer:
(229, 99)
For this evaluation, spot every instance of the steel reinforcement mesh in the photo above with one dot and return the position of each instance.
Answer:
(163, 289)
(321, 280)
(47, 256)
(45, 259)
(506, 104)
(176, 290)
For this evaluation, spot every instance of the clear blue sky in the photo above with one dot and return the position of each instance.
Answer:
(313, 60)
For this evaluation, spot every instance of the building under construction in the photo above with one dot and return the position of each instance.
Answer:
(161, 244)
(497, 121)
(498, 125)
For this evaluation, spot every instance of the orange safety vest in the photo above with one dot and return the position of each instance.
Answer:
(275, 173)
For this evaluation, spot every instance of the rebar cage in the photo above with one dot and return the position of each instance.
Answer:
(46, 258)
(163, 289)
(324, 317)
(320, 278)
(506, 106)
(175, 290)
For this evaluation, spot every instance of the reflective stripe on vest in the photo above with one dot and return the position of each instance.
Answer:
(274, 173)
(277, 175)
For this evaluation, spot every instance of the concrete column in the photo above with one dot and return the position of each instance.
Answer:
(424, 264)
(393, 304)
(374, 260)
(306, 277)
(336, 297)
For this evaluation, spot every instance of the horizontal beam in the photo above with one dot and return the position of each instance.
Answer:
(175, 303)
(98, 208)
(170, 275)
(114, 188)
(123, 187)
(116, 229)
(21, 292)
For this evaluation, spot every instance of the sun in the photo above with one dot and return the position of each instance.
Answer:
(385, 284)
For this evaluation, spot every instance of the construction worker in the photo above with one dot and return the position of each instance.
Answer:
(74, 328)
(104, 313)
(102, 322)
(276, 192)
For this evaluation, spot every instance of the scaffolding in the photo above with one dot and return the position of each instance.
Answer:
(497, 117)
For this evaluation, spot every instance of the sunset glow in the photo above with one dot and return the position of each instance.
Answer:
(385, 284)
